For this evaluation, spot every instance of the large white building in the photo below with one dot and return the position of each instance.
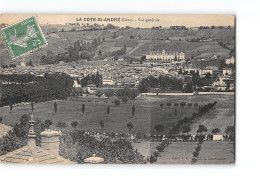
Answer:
(165, 56)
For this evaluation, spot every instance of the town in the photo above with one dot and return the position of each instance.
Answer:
(120, 73)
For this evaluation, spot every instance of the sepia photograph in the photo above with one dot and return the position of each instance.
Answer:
(117, 89)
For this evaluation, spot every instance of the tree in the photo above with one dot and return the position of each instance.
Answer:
(130, 126)
(230, 131)
(195, 105)
(108, 109)
(195, 154)
(99, 52)
(117, 102)
(83, 109)
(188, 88)
(202, 129)
(176, 105)
(101, 123)
(159, 128)
(30, 63)
(124, 49)
(152, 159)
(61, 125)
(169, 104)
(189, 105)
(11, 106)
(32, 108)
(180, 71)
(133, 110)
(47, 124)
(161, 105)
(182, 104)
(109, 93)
(74, 124)
(98, 93)
(138, 136)
(186, 129)
(124, 99)
(55, 107)
(133, 93)
(215, 131)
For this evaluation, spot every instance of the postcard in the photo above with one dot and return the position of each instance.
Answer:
(117, 89)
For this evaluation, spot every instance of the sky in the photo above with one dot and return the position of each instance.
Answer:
(131, 20)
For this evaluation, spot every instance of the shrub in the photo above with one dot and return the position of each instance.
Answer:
(195, 154)
(196, 105)
(161, 105)
(182, 104)
(76, 146)
(215, 131)
(124, 99)
(117, 102)
(160, 148)
(152, 159)
(198, 148)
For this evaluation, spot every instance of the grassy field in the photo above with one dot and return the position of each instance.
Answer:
(108, 47)
(148, 113)
(212, 152)
(221, 117)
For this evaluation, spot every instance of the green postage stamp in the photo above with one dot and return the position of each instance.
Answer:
(23, 37)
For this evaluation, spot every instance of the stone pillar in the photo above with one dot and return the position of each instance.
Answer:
(31, 135)
(50, 141)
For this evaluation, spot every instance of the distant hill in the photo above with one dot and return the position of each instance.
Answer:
(138, 41)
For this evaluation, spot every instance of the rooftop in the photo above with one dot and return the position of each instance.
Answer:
(34, 155)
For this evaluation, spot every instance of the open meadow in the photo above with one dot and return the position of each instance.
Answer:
(148, 113)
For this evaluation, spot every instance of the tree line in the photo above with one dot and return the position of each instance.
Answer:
(162, 82)
(48, 87)
(79, 50)
(95, 79)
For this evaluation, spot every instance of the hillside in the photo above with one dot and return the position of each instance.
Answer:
(137, 41)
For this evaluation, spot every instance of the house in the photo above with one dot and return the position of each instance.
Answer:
(108, 81)
(90, 88)
(227, 71)
(218, 137)
(76, 84)
(208, 69)
(230, 60)
(205, 71)
(48, 153)
(129, 82)
(165, 56)
(190, 70)
(224, 83)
